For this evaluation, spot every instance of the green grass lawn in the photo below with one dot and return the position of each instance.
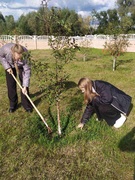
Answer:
(98, 152)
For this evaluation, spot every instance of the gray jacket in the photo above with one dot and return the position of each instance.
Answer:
(7, 62)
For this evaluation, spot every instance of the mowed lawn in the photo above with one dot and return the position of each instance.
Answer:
(98, 152)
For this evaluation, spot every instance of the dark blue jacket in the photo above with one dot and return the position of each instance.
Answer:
(109, 95)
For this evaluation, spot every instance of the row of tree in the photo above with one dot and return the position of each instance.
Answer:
(56, 21)
(45, 21)
(117, 21)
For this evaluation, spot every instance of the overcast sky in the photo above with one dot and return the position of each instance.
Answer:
(83, 7)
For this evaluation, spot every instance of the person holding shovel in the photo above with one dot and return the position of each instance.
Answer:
(107, 101)
(13, 61)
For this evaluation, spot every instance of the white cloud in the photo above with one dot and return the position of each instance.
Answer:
(19, 7)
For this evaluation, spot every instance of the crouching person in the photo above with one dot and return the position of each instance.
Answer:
(106, 100)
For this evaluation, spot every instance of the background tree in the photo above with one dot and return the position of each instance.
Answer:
(43, 16)
(46, 21)
(28, 24)
(22, 25)
(64, 22)
(117, 46)
(2, 24)
(85, 43)
(109, 22)
(32, 23)
(85, 25)
(113, 26)
(10, 24)
(102, 18)
(126, 10)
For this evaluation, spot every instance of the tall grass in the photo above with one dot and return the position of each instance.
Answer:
(96, 152)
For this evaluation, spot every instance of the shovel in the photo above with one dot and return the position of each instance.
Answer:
(49, 129)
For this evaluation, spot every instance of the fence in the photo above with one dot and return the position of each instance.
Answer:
(41, 42)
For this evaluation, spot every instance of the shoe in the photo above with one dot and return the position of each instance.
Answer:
(120, 121)
(29, 110)
(11, 110)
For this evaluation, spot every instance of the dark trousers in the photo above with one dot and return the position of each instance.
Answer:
(12, 90)
(107, 112)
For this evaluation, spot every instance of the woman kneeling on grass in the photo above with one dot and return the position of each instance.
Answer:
(104, 99)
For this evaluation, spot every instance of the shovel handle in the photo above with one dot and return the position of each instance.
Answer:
(32, 103)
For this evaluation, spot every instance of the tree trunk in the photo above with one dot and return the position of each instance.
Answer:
(58, 117)
(114, 63)
(84, 57)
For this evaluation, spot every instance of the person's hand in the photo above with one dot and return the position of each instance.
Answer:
(24, 90)
(10, 71)
(80, 126)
